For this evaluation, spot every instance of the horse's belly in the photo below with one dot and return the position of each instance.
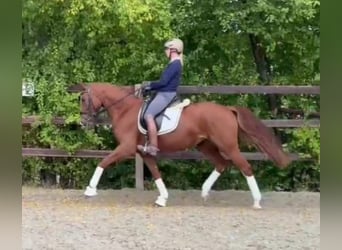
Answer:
(179, 142)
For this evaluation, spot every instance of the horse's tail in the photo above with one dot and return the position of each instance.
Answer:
(252, 130)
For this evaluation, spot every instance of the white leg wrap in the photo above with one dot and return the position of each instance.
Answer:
(253, 186)
(91, 189)
(209, 182)
(162, 198)
(96, 177)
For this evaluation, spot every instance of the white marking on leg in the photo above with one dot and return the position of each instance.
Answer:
(91, 189)
(209, 182)
(163, 194)
(253, 186)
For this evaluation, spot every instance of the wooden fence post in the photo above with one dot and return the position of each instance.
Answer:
(139, 163)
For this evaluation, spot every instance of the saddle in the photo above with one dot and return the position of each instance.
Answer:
(167, 120)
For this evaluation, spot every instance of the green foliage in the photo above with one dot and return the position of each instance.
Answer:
(67, 42)
(307, 141)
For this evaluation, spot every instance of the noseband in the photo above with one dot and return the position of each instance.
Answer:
(91, 115)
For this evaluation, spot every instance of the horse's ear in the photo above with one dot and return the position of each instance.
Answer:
(76, 88)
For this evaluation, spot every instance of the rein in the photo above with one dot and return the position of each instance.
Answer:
(120, 100)
(91, 112)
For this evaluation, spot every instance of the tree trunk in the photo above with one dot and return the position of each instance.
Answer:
(264, 70)
(265, 74)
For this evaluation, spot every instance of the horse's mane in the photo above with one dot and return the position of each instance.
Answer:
(126, 89)
(82, 87)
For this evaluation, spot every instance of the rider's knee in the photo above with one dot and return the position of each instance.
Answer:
(148, 117)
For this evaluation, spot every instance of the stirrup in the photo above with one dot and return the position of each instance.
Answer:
(152, 150)
(148, 149)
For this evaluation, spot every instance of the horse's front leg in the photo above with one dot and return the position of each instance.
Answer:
(152, 166)
(120, 153)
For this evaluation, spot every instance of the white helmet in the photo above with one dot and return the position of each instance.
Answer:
(175, 44)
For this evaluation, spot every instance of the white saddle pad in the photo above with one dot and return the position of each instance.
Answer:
(170, 119)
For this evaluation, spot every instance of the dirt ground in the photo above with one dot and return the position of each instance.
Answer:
(126, 219)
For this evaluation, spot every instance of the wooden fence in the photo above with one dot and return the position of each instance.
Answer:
(279, 90)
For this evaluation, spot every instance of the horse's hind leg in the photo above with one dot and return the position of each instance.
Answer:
(152, 166)
(247, 171)
(214, 156)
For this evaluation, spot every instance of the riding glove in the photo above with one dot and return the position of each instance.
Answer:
(146, 86)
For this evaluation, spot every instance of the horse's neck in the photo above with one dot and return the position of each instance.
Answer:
(120, 104)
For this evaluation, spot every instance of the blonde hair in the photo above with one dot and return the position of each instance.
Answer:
(181, 58)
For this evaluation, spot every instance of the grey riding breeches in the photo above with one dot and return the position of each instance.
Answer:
(159, 103)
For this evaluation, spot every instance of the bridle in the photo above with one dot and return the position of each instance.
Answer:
(91, 114)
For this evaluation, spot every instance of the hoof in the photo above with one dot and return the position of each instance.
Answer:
(205, 192)
(161, 202)
(90, 192)
(205, 196)
(256, 205)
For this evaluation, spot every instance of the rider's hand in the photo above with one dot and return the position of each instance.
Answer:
(146, 85)
(146, 88)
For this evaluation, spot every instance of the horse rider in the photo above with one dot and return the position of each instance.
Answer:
(166, 90)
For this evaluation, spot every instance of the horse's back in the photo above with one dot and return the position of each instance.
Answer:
(210, 115)
(210, 109)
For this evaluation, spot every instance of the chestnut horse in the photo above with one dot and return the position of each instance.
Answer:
(211, 128)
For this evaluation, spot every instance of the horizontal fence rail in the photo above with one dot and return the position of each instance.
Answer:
(283, 90)
(250, 89)
(186, 155)
(29, 120)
